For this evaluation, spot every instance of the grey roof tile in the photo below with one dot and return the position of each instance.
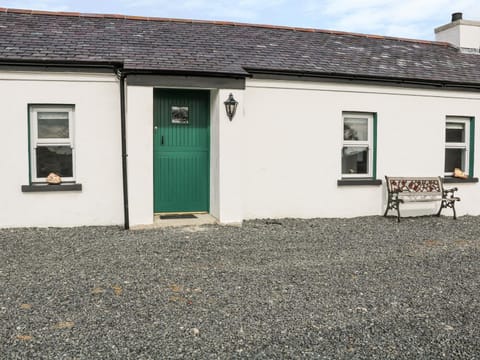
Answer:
(225, 48)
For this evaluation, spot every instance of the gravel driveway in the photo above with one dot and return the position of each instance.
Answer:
(323, 288)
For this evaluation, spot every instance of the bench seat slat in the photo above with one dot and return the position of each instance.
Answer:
(421, 199)
(420, 194)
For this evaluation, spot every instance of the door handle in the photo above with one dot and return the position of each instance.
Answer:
(161, 141)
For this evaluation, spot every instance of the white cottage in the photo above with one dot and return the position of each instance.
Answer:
(130, 112)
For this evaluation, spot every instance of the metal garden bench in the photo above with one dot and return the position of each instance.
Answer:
(418, 189)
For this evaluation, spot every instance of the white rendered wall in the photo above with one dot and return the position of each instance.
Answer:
(226, 156)
(292, 148)
(214, 154)
(449, 34)
(97, 146)
(470, 36)
(231, 155)
(281, 154)
(465, 34)
(140, 153)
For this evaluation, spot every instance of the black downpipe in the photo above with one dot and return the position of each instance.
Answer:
(122, 77)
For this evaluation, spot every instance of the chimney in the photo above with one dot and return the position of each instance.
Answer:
(463, 34)
(457, 16)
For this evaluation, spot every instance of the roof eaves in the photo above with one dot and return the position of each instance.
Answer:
(69, 63)
(137, 71)
(367, 78)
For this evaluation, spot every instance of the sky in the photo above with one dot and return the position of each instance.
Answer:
(401, 18)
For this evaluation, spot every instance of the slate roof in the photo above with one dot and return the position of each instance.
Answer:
(222, 48)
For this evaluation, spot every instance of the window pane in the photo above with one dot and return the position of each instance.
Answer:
(179, 115)
(455, 132)
(57, 159)
(355, 160)
(355, 129)
(53, 125)
(454, 158)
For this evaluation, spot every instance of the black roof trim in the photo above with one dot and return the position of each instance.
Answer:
(59, 64)
(284, 74)
(128, 71)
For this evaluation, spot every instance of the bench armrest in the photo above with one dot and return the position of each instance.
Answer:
(452, 190)
(394, 196)
(450, 193)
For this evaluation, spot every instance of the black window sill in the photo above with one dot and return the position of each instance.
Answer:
(355, 182)
(47, 187)
(454, 180)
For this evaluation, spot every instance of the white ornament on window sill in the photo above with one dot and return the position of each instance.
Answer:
(54, 179)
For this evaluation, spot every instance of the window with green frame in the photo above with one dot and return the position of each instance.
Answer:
(359, 146)
(51, 142)
(459, 144)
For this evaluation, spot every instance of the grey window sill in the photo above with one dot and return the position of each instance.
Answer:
(47, 188)
(453, 180)
(355, 182)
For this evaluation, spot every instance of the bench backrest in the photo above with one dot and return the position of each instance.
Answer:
(415, 185)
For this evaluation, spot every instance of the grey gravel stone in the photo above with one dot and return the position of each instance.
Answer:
(363, 288)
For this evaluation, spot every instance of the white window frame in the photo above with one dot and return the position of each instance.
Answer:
(460, 145)
(352, 143)
(35, 141)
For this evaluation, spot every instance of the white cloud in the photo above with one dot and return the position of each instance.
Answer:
(402, 18)
(53, 5)
(406, 18)
(241, 10)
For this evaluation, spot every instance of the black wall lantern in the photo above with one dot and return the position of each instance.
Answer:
(231, 106)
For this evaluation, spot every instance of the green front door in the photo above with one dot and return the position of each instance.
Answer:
(181, 145)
